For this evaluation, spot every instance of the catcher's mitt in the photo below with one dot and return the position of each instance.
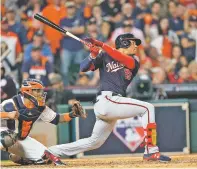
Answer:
(77, 110)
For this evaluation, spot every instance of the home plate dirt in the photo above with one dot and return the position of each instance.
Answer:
(182, 161)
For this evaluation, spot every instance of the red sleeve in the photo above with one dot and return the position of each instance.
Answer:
(126, 60)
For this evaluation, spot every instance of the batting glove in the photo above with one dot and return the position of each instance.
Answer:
(94, 42)
(94, 51)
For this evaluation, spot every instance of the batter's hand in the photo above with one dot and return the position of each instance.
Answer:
(94, 51)
(94, 42)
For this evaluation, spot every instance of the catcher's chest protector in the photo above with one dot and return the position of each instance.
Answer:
(26, 117)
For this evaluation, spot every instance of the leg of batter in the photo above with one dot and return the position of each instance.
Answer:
(101, 131)
(117, 107)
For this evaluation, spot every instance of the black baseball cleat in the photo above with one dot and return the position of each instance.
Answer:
(53, 158)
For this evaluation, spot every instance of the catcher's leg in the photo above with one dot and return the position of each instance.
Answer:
(25, 161)
(28, 151)
(101, 131)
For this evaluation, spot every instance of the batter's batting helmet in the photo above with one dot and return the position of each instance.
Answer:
(123, 40)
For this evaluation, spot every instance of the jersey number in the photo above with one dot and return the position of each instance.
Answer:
(128, 74)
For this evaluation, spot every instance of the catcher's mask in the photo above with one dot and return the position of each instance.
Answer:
(33, 90)
(124, 40)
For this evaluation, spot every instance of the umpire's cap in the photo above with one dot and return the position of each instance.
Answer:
(123, 40)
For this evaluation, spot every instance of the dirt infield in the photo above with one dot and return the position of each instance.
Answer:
(183, 161)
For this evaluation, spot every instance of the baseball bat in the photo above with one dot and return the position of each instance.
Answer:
(58, 28)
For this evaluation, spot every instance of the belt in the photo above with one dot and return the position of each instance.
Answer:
(105, 93)
(108, 93)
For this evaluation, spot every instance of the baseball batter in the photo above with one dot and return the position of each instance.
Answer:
(117, 69)
(26, 108)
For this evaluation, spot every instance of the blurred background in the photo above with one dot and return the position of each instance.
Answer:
(168, 57)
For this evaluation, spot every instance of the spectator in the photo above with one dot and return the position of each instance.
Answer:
(112, 12)
(191, 4)
(83, 79)
(93, 31)
(39, 41)
(105, 30)
(193, 70)
(16, 27)
(175, 22)
(145, 61)
(14, 58)
(3, 8)
(188, 48)
(57, 94)
(127, 11)
(158, 76)
(190, 25)
(37, 67)
(33, 7)
(74, 51)
(163, 43)
(88, 79)
(139, 12)
(182, 62)
(54, 12)
(152, 20)
(176, 57)
(128, 27)
(155, 12)
(8, 87)
(80, 5)
(183, 75)
(27, 24)
(97, 13)
(176, 52)
(8, 90)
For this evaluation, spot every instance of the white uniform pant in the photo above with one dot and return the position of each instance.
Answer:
(28, 148)
(108, 109)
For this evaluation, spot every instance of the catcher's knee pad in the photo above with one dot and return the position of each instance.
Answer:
(8, 138)
(151, 134)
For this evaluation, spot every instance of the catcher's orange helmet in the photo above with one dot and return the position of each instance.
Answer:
(33, 90)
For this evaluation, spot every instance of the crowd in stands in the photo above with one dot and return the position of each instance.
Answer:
(167, 29)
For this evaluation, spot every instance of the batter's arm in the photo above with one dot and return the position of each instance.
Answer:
(126, 60)
(91, 64)
(87, 65)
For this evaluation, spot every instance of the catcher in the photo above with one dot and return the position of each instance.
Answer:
(27, 107)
